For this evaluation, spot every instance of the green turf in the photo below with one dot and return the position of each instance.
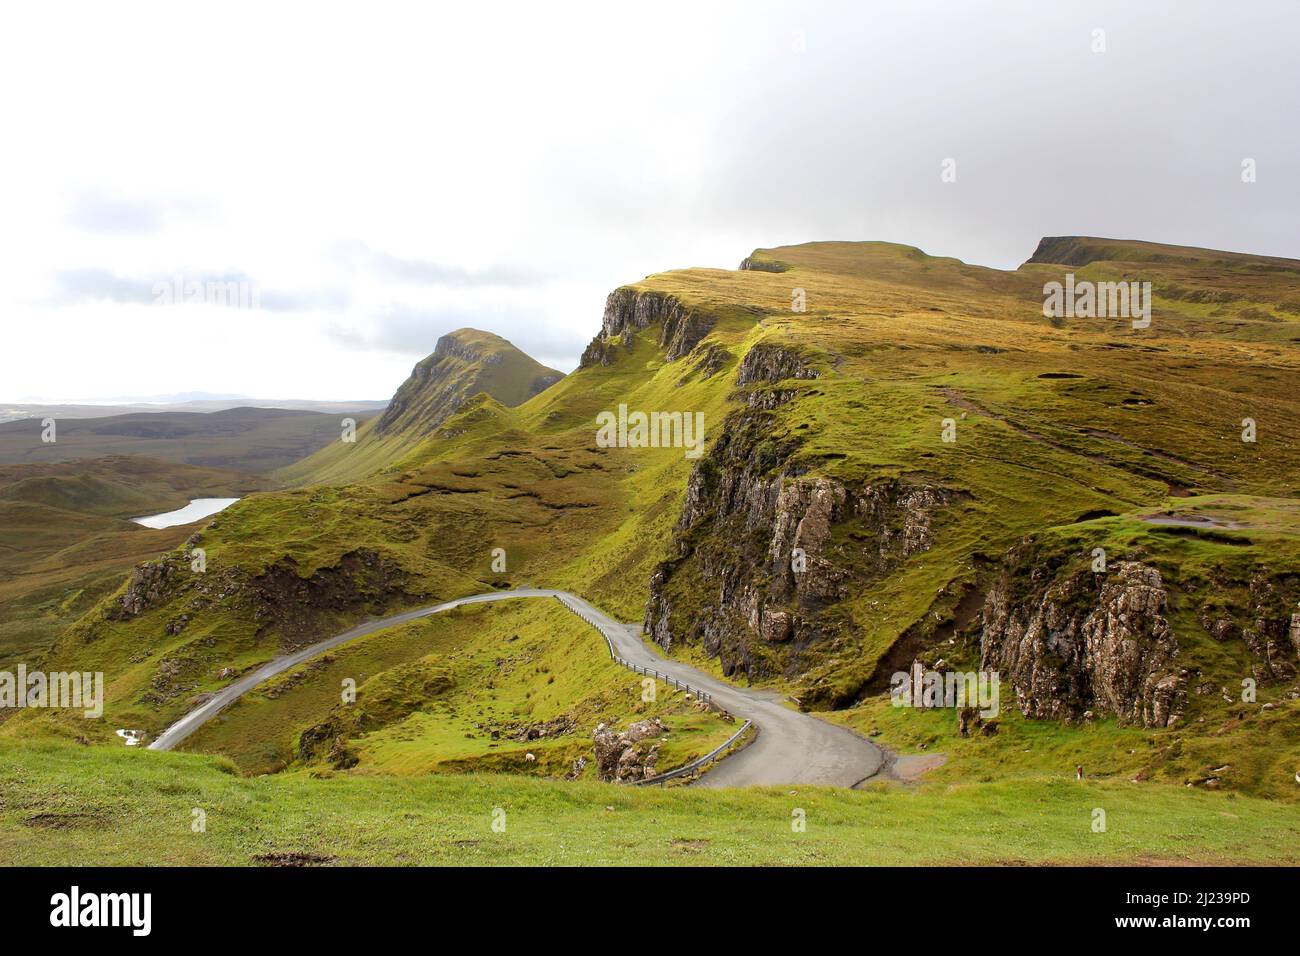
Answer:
(100, 806)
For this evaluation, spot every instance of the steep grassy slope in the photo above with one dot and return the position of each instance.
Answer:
(248, 440)
(65, 541)
(287, 568)
(825, 430)
(465, 362)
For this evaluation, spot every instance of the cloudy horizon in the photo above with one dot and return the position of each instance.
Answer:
(362, 181)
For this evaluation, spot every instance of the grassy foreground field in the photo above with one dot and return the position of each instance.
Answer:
(100, 806)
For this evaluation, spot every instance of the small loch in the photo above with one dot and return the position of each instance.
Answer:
(194, 511)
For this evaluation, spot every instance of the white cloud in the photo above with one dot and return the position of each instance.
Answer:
(387, 172)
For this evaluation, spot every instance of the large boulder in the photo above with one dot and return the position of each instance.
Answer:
(628, 756)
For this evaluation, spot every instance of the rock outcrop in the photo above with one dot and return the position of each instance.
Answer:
(1273, 638)
(770, 362)
(1259, 610)
(1076, 641)
(628, 756)
(759, 562)
(151, 584)
(712, 360)
(296, 605)
(754, 263)
(629, 310)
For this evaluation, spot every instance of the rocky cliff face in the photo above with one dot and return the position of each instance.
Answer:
(756, 263)
(1073, 642)
(297, 609)
(1272, 634)
(628, 310)
(763, 551)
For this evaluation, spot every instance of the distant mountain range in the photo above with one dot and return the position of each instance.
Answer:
(246, 440)
(189, 402)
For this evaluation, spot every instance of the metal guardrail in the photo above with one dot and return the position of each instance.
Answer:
(697, 764)
(681, 685)
(700, 695)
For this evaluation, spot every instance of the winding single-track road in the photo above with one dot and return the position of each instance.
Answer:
(791, 747)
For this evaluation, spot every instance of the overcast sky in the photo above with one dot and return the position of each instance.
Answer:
(378, 175)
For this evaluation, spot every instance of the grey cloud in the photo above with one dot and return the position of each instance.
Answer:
(426, 272)
(316, 300)
(415, 331)
(844, 140)
(113, 216)
(98, 285)
(239, 290)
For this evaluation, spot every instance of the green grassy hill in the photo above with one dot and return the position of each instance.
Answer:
(465, 364)
(829, 376)
(476, 688)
